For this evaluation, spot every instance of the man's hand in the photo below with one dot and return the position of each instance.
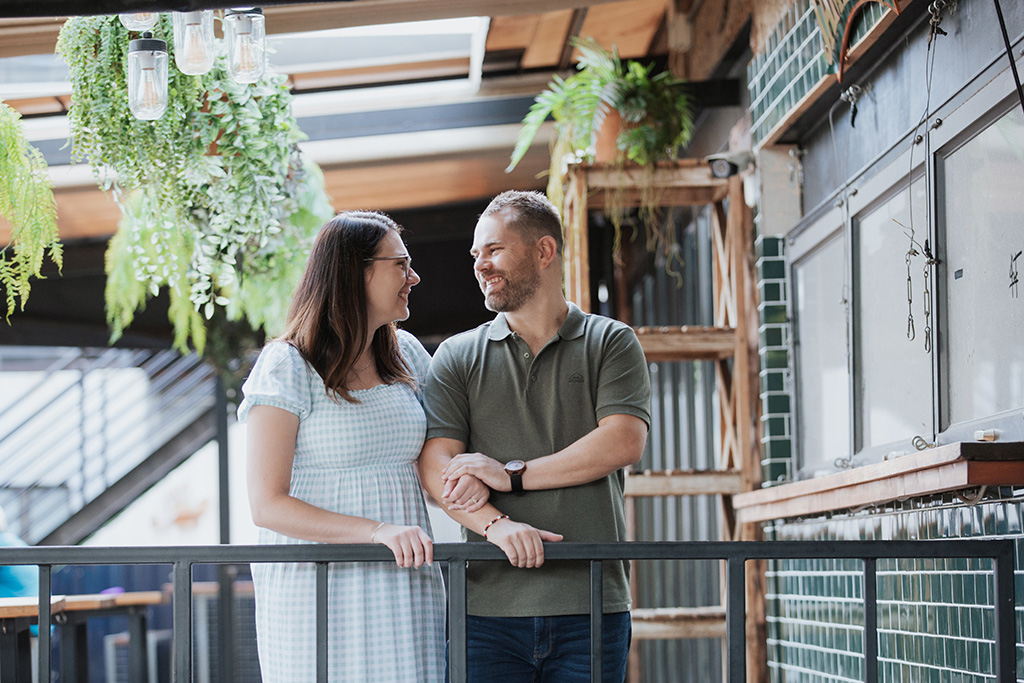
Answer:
(521, 543)
(488, 470)
(465, 493)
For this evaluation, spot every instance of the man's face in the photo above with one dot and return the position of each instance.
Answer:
(505, 265)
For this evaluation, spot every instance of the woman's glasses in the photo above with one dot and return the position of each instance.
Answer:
(406, 259)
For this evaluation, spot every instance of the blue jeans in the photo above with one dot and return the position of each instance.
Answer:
(544, 649)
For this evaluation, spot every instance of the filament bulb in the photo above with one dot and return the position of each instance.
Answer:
(193, 42)
(150, 100)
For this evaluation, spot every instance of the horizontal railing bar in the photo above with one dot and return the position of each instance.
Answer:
(443, 552)
(457, 555)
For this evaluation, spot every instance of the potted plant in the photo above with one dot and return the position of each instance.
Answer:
(26, 201)
(652, 107)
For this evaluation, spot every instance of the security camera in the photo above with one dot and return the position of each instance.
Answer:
(729, 163)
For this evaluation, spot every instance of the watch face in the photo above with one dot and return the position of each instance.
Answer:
(515, 466)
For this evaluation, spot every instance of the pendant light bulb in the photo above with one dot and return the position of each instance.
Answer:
(245, 34)
(193, 41)
(147, 77)
(139, 21)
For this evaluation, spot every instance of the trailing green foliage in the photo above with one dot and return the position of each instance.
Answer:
(26, 201)
(218, 205)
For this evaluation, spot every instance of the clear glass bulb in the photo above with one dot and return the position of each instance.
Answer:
(245, 37)
(193, 42)
(147, 81)
(139, 21)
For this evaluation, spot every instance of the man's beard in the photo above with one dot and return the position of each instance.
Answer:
(518, 288)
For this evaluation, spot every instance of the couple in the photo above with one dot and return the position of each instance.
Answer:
(551, 402)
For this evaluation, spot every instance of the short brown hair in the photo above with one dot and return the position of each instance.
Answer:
(529, 214)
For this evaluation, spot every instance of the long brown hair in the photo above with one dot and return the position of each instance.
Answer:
(327, 318)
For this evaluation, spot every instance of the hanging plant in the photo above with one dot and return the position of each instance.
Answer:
(211, 193)
(26, 201)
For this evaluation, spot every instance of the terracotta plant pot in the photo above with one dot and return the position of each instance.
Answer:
(605, 148)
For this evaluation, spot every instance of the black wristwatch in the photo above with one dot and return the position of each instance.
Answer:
(515, 469)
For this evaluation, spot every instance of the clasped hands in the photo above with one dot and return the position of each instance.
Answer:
(468, 480)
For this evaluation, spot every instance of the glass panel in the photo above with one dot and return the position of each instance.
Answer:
(984, 210)
(824, 414)
(894, 378)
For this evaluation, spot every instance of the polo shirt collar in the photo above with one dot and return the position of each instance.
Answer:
(499, 328)
(572, 327)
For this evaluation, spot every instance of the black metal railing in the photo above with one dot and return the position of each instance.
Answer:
(457, 555)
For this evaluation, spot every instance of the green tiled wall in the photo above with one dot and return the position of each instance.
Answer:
(935, 617)
(776, 412)
(793, 63)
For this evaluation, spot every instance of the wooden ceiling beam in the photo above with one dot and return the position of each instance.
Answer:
(28, 36)
(629, 26)
(545, 48)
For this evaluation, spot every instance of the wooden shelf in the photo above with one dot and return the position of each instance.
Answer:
(951, 467)
(687, 343)
(684, 483)
(678, 622)
(686, 182)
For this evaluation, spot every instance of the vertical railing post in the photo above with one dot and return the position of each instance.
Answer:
(1005, 628)
(870, 620)
(457, 664)
(736, 618)
(225, 573)
(596, 618)
(181, 608)
(45, 590)
(321, 622)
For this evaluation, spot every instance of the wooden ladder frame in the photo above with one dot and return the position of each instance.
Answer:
(732, 343)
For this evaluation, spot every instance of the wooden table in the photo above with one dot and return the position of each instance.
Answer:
(74, 645)
(17, 616)
(71, 613)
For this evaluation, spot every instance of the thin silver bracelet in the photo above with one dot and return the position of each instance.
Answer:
(374, 534)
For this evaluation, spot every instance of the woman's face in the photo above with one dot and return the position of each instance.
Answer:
(389, 280)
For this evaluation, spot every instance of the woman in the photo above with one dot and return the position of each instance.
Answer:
(334, 427)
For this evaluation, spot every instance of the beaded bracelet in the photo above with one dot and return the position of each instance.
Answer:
(496, 519)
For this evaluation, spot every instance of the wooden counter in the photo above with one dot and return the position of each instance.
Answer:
(952, 467)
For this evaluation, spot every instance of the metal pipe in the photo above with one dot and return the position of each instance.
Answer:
(45, 591)
(181, 643)
(457, 664)
(870, 621)
(321, 622)
(596, 618)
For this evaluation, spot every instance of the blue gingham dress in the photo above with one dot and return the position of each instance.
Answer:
(385, 623)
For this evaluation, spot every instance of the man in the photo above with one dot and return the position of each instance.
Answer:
(530, 420)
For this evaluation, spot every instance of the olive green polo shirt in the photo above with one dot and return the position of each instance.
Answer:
(488, 390)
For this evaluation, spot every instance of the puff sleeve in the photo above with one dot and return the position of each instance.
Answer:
(280, 378)
(416, 358)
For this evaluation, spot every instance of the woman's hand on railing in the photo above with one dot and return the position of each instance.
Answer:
(521, 543)
(411, 545)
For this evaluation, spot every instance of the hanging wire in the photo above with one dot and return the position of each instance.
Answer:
(850, 96)
(914, 249)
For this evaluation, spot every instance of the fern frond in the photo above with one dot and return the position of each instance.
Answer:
(27, 203)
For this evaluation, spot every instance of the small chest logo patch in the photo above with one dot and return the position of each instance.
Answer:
(576, 378)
